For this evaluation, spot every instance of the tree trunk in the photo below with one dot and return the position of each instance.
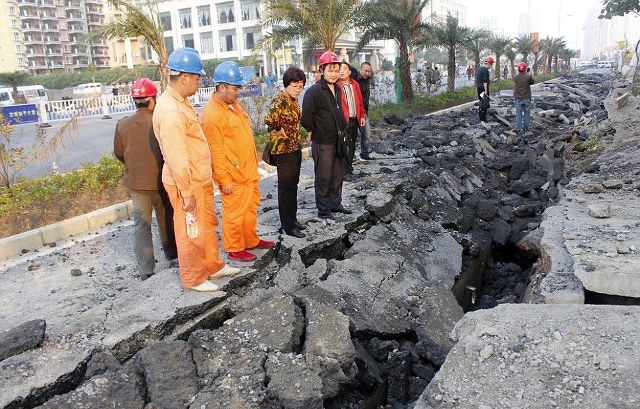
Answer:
(477, 61)
(498, 55)
(405, 72)
(635, 73)
(451, 69)
(164, 75)
(557, 64)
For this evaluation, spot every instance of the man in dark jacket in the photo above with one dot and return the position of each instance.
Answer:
(364, 80)
(136, 146)
(522, 97)
(322, 116)
(483, 80)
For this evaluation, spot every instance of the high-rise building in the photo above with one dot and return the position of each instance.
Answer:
(12, 51)
(44, 36)
(439, 9)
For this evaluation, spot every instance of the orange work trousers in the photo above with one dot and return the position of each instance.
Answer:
(199, 257)
(240, 217)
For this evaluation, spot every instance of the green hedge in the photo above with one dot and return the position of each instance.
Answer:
(423, 105)
(91, 177)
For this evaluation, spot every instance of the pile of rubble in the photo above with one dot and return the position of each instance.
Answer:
(357, 315)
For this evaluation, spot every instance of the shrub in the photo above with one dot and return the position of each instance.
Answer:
(92, 177)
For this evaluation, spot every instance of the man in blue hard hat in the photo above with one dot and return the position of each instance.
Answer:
(187, 174)
(235, 164)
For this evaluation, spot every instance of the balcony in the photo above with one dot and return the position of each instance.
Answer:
(28, 28)
(47, 4)
(74, 17)
(100, 45)
(92, 11)
(54, 53)
(75, 28)
(53, 40)
(47, 28)
(72, 4)
(35, 53)
(27, 3)
(32, 40)
(48, 16)
(101, 64)
(92, 1)
(95, 22)
(29, 14)
(78, 53)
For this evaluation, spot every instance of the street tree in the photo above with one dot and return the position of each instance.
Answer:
(477, 41)
(448, 34)
(138, 21)
(393, 20)
(498, 45)
(510, 54)
(14, 79)
(524, 46)
(315, 22)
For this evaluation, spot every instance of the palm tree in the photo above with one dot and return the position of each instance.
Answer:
(510, 53)
(14, 79)
(449, 35)
(498, 46)
(316, 22)
(566, 54)
(523, 45)
(477, 40)
(135, 22)
(400, 21)
(560, 48)
(546, 45)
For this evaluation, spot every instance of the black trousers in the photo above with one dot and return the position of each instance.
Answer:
(482, 113)
(288, 165)
(328, 177)
(352, 130)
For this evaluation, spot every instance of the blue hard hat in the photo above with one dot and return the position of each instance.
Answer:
(186, 60)
(229, 73)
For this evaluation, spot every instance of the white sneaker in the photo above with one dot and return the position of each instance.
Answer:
(206, 286)
(226, 271)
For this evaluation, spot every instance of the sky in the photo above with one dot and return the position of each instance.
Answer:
(552, 18)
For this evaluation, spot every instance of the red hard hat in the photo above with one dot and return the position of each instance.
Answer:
(489, 60)
(522, 67)
(328, 57)
(143, 88)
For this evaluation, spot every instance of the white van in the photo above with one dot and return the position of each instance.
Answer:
(605, 64)
(88, 90)
(27, 94)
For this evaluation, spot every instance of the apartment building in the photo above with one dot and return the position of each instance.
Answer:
(216, 28)
(12, 57)
(45, 36)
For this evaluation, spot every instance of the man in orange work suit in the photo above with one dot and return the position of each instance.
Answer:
(186, 174)
(235, 164)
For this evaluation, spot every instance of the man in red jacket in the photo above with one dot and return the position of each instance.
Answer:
(354, 114)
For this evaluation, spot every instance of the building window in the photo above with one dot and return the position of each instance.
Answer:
(204, 16)
(19, 49)
(14, 23)
(12, 11)
(187, 41)
(250, 10)
(225, 13)
(16, 36)
(251, 36)
(206, 43)
(168, 42)
(228, 40)
(165, 21)
(185, 18)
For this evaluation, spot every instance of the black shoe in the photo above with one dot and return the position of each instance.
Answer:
(295, 232)
(326, 216)
(341, 209)
(300, 226)
(349, 177)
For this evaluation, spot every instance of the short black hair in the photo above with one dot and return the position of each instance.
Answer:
(142, 102)
(365, 63)
(293, 74)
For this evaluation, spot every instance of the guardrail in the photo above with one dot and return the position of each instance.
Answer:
(104, 106)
